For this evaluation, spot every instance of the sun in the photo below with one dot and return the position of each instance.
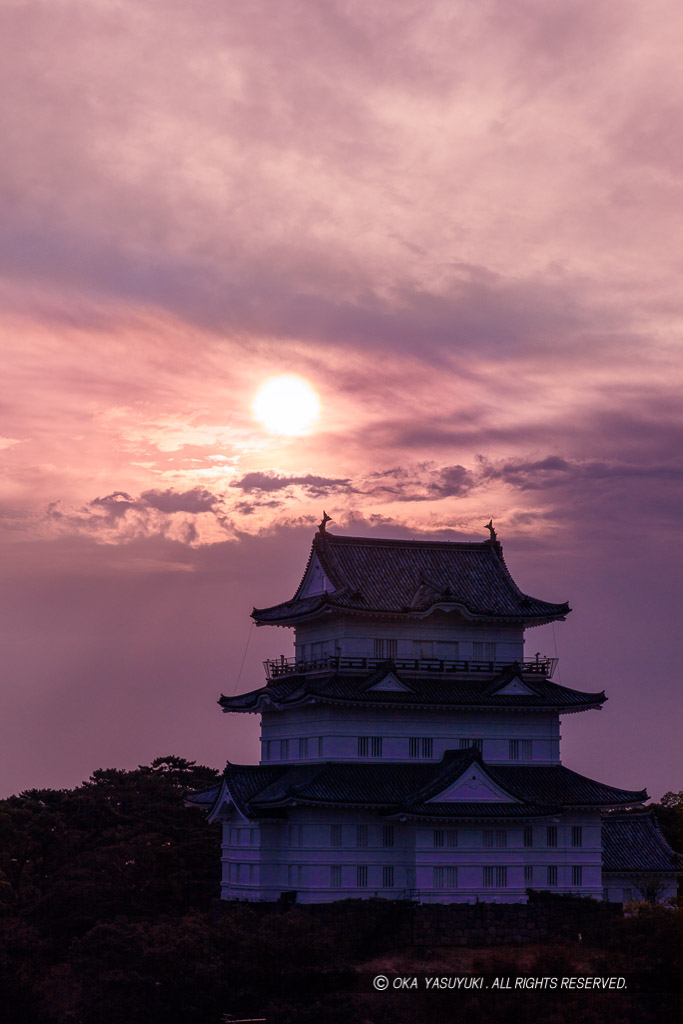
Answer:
(286, 405)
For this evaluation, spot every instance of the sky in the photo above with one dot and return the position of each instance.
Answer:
(458, 222)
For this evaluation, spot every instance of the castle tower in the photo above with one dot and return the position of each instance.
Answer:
(408, 746)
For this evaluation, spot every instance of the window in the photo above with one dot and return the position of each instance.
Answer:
(495, 837)
(495, 878)
(577, 875)
(445, 878)
(362, 876)
(438, 878)
(361, 835)
(284, 750)
(551, 835)
(526, 750)
(452, 837)
(464, 744)
(451, 878)
(369, 746)
(552, 875)
(420, 747)
(528, 836)
(303, 748)
(386, 649)
(335, 835)
(438, 837)
(577, 835)
(387, 876)
(528, 874)
(335, 876)
(513, 750)
(484, 652)
(388, 835)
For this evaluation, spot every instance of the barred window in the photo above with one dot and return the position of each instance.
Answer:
(363, 746)
(386, 649)
(413, 747)
(577, 835)
(551, 835)
(420, 746)
(438, 878)
(438, 837)
(465, 743)
(335, 835)
(526, 750)
(427, 747)
(388, 835)
(452, 837)
(376, 746)
(513, 753)
(495, 877)
(483, 651)
(362, 876)
(387, 876)
(451, 878)
(528, 836)
(552, 875)
(336, 876)
(361, 835)
(577, 875)
(528, 874)
(284, 750)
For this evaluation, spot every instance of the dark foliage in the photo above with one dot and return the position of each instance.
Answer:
(106, 918)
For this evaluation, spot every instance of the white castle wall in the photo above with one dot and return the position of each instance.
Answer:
(332, 733)
(260, 862)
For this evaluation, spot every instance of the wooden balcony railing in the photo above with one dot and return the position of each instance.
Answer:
(538, 666)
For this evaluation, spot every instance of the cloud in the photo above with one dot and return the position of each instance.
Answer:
(316, 486)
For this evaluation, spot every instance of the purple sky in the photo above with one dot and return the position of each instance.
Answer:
(459, 222)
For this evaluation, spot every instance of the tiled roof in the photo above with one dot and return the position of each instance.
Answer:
(421, 691)
(555, 784)
(405, 787)
(402, 577)
(634, 842)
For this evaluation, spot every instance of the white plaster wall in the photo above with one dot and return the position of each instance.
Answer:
(339, 729)
(297, 853)
(354, 636)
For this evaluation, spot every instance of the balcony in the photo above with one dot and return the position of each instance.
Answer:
(275, 669)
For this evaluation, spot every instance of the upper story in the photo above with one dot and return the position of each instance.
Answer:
(373, 600)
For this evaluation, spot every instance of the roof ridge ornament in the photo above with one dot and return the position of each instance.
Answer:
(489, 527)
(324, 521)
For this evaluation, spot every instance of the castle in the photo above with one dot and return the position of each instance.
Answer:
(409, 749)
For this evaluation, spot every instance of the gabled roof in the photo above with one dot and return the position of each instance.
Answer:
(418, 691)
(410, 578)
(418, 790)
(634, 842)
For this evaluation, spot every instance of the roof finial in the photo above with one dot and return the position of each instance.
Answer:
(489, 527)
(325, 520)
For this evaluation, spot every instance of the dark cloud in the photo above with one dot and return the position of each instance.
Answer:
(316, 486)
(196, 500)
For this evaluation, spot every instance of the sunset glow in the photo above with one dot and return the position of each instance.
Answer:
(266, 259)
